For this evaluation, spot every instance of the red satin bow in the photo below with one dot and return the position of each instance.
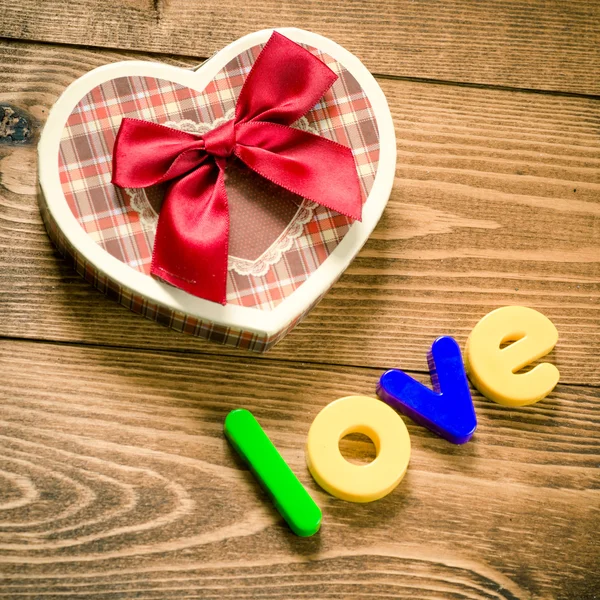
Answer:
(192, 236)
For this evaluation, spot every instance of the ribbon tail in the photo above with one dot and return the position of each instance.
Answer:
(308, 165)
(192, 236)
(285, 82)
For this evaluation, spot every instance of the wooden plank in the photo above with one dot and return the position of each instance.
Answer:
(549, 45)
(118, 481)
(480, 174)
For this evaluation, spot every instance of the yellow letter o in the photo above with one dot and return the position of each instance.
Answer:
(373, 418)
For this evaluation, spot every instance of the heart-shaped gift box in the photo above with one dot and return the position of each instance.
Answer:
(285, 251)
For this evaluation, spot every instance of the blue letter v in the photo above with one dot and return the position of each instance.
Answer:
(447, 409)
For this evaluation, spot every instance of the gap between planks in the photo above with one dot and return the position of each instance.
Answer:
(202, 59)
(229, 357)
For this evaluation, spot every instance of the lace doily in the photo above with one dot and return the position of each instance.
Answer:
(138, 201)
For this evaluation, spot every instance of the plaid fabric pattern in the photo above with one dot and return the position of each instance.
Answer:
(344, 114)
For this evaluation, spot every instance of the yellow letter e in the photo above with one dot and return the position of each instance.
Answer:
(493, 370)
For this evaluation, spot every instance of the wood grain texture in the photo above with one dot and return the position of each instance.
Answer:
(117, 482)
(541, 44)
(496, 201)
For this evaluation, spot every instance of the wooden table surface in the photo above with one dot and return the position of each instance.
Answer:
(115, 478)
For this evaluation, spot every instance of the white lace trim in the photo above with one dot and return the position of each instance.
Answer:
(200, 128)
(139, 202)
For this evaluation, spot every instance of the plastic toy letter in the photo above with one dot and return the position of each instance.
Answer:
(493, 370)
(341, 478)
(447, 409)
(289, 496)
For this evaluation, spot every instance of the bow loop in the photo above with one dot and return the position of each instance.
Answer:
(192, 235)
(147, 154)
